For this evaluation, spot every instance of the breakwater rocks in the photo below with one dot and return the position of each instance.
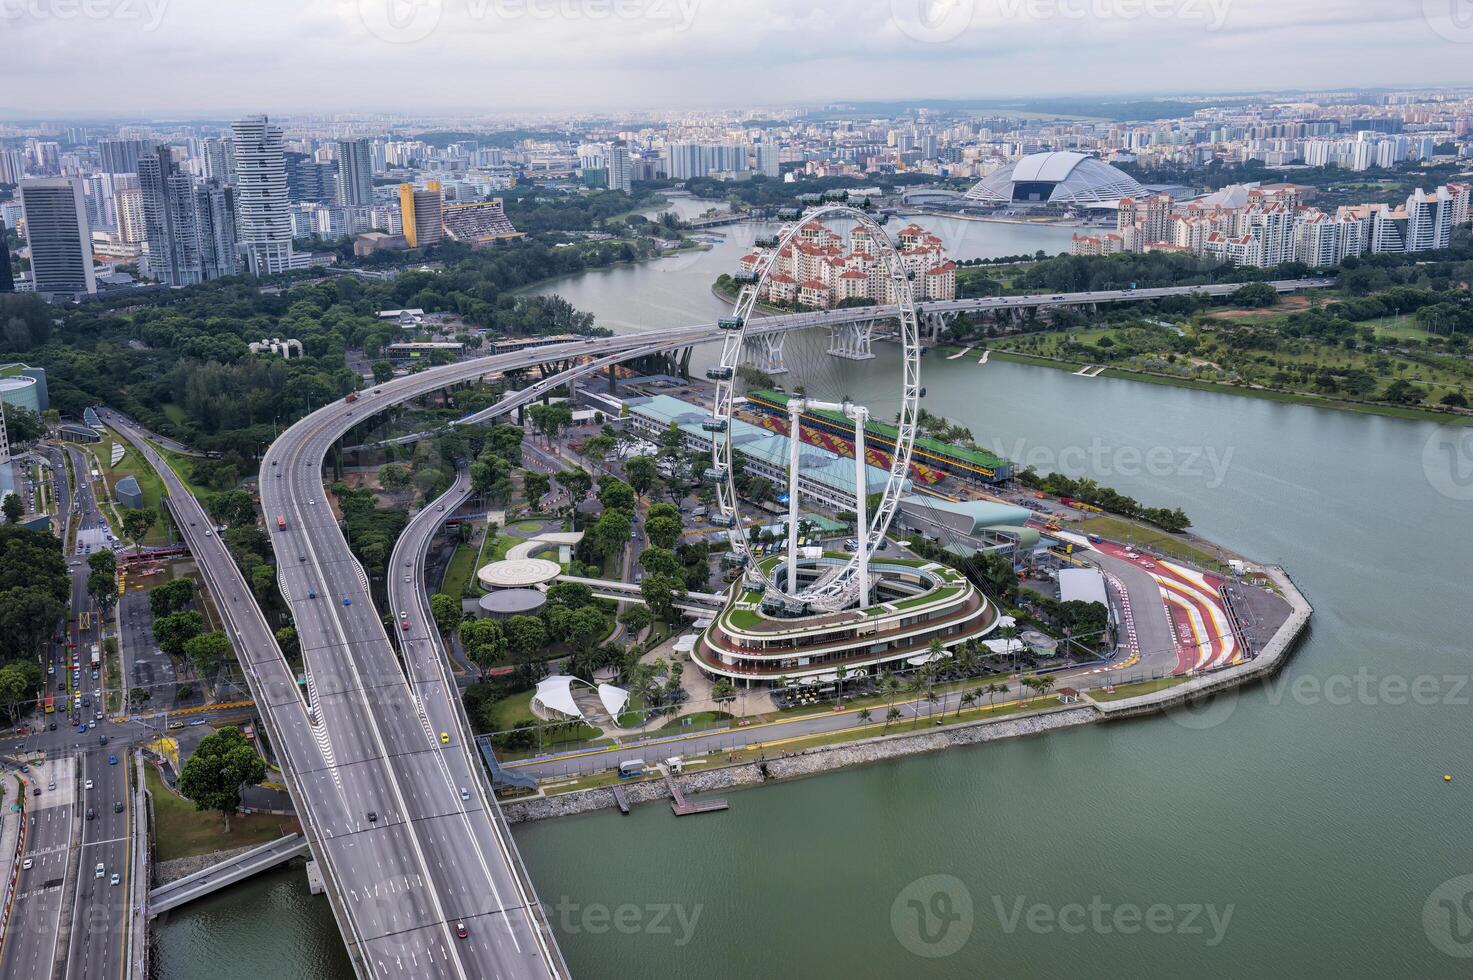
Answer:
(807, 762)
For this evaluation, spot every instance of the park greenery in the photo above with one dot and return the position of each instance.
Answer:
(218, 769)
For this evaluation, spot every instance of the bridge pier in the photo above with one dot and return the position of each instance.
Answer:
(851, 341)
(765, 352)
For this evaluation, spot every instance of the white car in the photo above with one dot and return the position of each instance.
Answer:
(26, 864)
(100, 870)
(88, 785)
(115, 879)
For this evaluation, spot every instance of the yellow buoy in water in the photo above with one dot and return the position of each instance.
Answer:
(1447, 777)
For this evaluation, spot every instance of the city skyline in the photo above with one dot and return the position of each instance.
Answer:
(554, 55)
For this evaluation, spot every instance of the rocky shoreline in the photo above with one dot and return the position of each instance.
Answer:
(811, 762)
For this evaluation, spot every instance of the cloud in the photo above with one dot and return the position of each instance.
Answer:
(171, 57)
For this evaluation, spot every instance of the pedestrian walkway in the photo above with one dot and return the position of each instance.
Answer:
(12, 819)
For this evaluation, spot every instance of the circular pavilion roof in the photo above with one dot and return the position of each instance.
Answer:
(519, 573)
(512, 602)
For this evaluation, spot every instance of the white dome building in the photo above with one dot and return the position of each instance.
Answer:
(1057, 178)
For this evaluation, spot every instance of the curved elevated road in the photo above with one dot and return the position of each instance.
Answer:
(382, 771)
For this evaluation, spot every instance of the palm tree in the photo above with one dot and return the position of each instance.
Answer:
(967, 700)
(839, 674)
(932, 699)
(992, 690)
(864, 716)
(890, 716)
(1044, 684)
(1010, 633)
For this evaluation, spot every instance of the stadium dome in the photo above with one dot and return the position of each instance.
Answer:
(1060, 177)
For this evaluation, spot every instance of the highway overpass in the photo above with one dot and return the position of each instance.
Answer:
(381, 767)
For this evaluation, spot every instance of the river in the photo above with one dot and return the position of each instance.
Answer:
(1301, 827)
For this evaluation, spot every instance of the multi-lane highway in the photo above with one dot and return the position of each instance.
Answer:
(381, 767)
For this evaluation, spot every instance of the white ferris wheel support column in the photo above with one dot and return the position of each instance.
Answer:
(795, 433)
(860, 414)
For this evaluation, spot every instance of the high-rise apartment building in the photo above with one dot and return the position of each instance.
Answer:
(57, 233)
(128, 206)
(7, 277)
(355, 173)
(1429, 220)
(218, 157)
(263, 218)
(620, 178)
(768, 162)
(122, 156)
(171, 228)
(421, 210)
(12, 166)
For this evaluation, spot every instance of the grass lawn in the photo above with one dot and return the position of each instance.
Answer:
(504, 714)
(694, 721)
(182, 831)
(1134, 690)
(1128, 532)
(459, 569)
(132, 464)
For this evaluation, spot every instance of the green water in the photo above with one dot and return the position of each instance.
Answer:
(1314, 807)
(1309, 814)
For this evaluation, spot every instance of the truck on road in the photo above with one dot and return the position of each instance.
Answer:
(280, 522)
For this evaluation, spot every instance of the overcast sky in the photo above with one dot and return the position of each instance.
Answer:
(165, 58)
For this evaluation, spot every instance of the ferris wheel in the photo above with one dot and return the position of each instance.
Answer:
(835, 585)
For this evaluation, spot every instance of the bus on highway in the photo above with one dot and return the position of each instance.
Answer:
(50, 703)
(96, 656)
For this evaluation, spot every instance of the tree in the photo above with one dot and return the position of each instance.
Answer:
(27, 616)
(233, 508)
(218, 769)
(137, 524)
(290, 643)
(585, 627)
(446, 610)
(382, 371)
(577, 482)
(659, 561)
(102, 581)
(526, 636)
(864, 716)
(723, 693)
(207, 651)
(19, 683)
(535, 486)
(890, 716)
(640, 471)
(175, 630)
(484, 641)
(597, 448)
(659, 593)
(636, 618)
(14, 508)
(395, 477)
(615, 494)
(171, 596)
(662, 531)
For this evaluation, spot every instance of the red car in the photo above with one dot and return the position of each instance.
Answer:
(405, 624)
(460, 930)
